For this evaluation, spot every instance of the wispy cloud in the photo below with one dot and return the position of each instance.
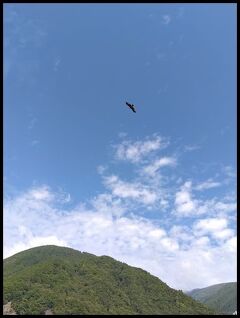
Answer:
(224, 130)
(21, 33)
(32, 123)
(136, 191)
(229, 172)
(135, 151)
(161, 56)
(191, 147)
(122, 134)
(41, 194)
(101, 169)
(166, 19)
(35, 142)
(57, 63)
(159, 163)
(225, 206)
(184, 203)
(207, 185)
(187, 205)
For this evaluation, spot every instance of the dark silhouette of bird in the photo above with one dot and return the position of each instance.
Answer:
(131, 106)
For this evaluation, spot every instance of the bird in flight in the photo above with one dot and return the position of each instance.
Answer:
(131, 106)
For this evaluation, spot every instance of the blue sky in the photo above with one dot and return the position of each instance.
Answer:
(158, 184)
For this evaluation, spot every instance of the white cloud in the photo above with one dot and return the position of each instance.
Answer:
(215, 227)
(202, 242)
(101, 169)
(136, 151)
(226, 207)
(229, 171)
(33, 242)
(211, 224)
(184, 203)
(215, 207)
(122, 134)
(136, 191)
(106, 203)
(157, 233)
(191, 147)
(224, 234)
(32, 219)
(159, 163)
(231, 244)
(230, 176)
(166, 19)
(62, 197)
(207, 185)
(170, 244)
(41, 193)
(181, 233)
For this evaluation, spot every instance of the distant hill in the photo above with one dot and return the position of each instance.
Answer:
(221, 297)
(65, 281)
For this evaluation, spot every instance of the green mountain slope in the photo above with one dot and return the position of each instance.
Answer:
(70, 282)
(221, 297)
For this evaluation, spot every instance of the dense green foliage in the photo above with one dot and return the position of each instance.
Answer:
(221, 297)
(70, 282)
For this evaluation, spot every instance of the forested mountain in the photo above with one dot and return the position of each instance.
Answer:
(220, 297)
(65, 281)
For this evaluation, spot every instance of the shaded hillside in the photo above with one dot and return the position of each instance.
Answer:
(70, 282)
(221, 297)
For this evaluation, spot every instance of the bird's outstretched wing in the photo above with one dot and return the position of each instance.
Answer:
(131, 106)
